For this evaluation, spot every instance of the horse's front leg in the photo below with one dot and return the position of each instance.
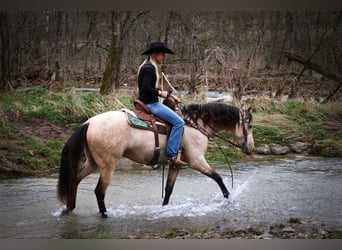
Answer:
(204, 168)
(171, 179)
(219, 181)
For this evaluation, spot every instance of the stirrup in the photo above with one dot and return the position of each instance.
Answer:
(176, 160)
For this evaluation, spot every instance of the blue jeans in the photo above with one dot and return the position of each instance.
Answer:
(165, 113)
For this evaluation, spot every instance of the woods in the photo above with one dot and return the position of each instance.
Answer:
(103, 49)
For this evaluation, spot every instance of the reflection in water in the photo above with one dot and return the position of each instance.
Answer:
(264, 192)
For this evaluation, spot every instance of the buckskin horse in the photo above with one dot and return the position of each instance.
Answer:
(105, 138)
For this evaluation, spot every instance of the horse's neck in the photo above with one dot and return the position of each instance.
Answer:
(210, 128)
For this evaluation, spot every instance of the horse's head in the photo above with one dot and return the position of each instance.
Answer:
(243, 133)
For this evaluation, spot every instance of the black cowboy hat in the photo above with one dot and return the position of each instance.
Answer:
(157, 47)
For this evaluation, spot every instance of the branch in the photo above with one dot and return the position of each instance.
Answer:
(312, 65)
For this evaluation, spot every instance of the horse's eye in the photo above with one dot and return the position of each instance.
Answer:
(249, 126)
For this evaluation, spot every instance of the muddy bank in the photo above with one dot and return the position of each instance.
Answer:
(302, 230)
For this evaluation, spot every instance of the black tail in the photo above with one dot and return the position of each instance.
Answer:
(70, 158)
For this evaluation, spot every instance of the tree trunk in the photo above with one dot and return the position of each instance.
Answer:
(111, 75)
(194, 54)
(290, 34)
(5, 51)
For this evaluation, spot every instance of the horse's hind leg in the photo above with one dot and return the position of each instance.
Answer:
(171, 179)
(100, 190)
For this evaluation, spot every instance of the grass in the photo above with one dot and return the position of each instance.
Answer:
(20, 153)
(335, 234)
(256, 230)
(219, 151)
(169, 235)
(284, 123)
(23, 153)
(60, 107)
(294, 220)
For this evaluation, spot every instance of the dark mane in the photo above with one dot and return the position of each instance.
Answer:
(216, 114)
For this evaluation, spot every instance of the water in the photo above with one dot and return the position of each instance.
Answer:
(263, 193)
(215, 96)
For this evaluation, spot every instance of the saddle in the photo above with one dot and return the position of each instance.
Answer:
(141, 117)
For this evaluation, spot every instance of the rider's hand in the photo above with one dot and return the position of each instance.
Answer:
(176, 99)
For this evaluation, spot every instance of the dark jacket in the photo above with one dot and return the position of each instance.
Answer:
(148, 93)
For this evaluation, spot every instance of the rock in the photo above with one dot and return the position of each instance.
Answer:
(265, 236)
(299, 147)
(280, 150)
(264, 149)
(288, 230)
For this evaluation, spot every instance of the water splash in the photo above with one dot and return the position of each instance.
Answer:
(59, 211)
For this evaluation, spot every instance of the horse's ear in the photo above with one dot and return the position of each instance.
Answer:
(249, 109)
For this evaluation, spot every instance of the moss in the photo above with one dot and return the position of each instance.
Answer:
(332, 234)
(169, 235)
(326, 148)
(294, 220)
(256, 230)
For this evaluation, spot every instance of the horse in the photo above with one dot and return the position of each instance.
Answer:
(107, 137)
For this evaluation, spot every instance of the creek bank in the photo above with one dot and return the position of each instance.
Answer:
(276, 149)
(287, 230)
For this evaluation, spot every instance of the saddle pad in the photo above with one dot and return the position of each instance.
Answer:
(136, 122)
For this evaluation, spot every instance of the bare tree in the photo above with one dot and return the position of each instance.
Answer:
(5, 51)
(121, 24)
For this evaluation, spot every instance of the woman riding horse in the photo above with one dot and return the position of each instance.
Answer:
(148, 78)
(105, 138)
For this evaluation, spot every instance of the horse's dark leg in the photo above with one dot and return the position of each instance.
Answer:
(204, 168)
(100, 192)
(71, 201)
(219, 181)
(171, 178)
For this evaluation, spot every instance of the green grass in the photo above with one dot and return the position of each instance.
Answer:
(335, 234)
(294, 220)
(58, 107)
(215, 156)
(169, 235)
(285, 123)
(20, 152)
(256, 230)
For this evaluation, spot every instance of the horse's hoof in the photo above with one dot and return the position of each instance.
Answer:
(226, 195)
(65, 212)
(104, 215)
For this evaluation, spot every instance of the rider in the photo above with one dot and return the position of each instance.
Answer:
(148, 77)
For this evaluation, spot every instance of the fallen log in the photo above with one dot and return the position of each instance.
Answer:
(314, 66)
